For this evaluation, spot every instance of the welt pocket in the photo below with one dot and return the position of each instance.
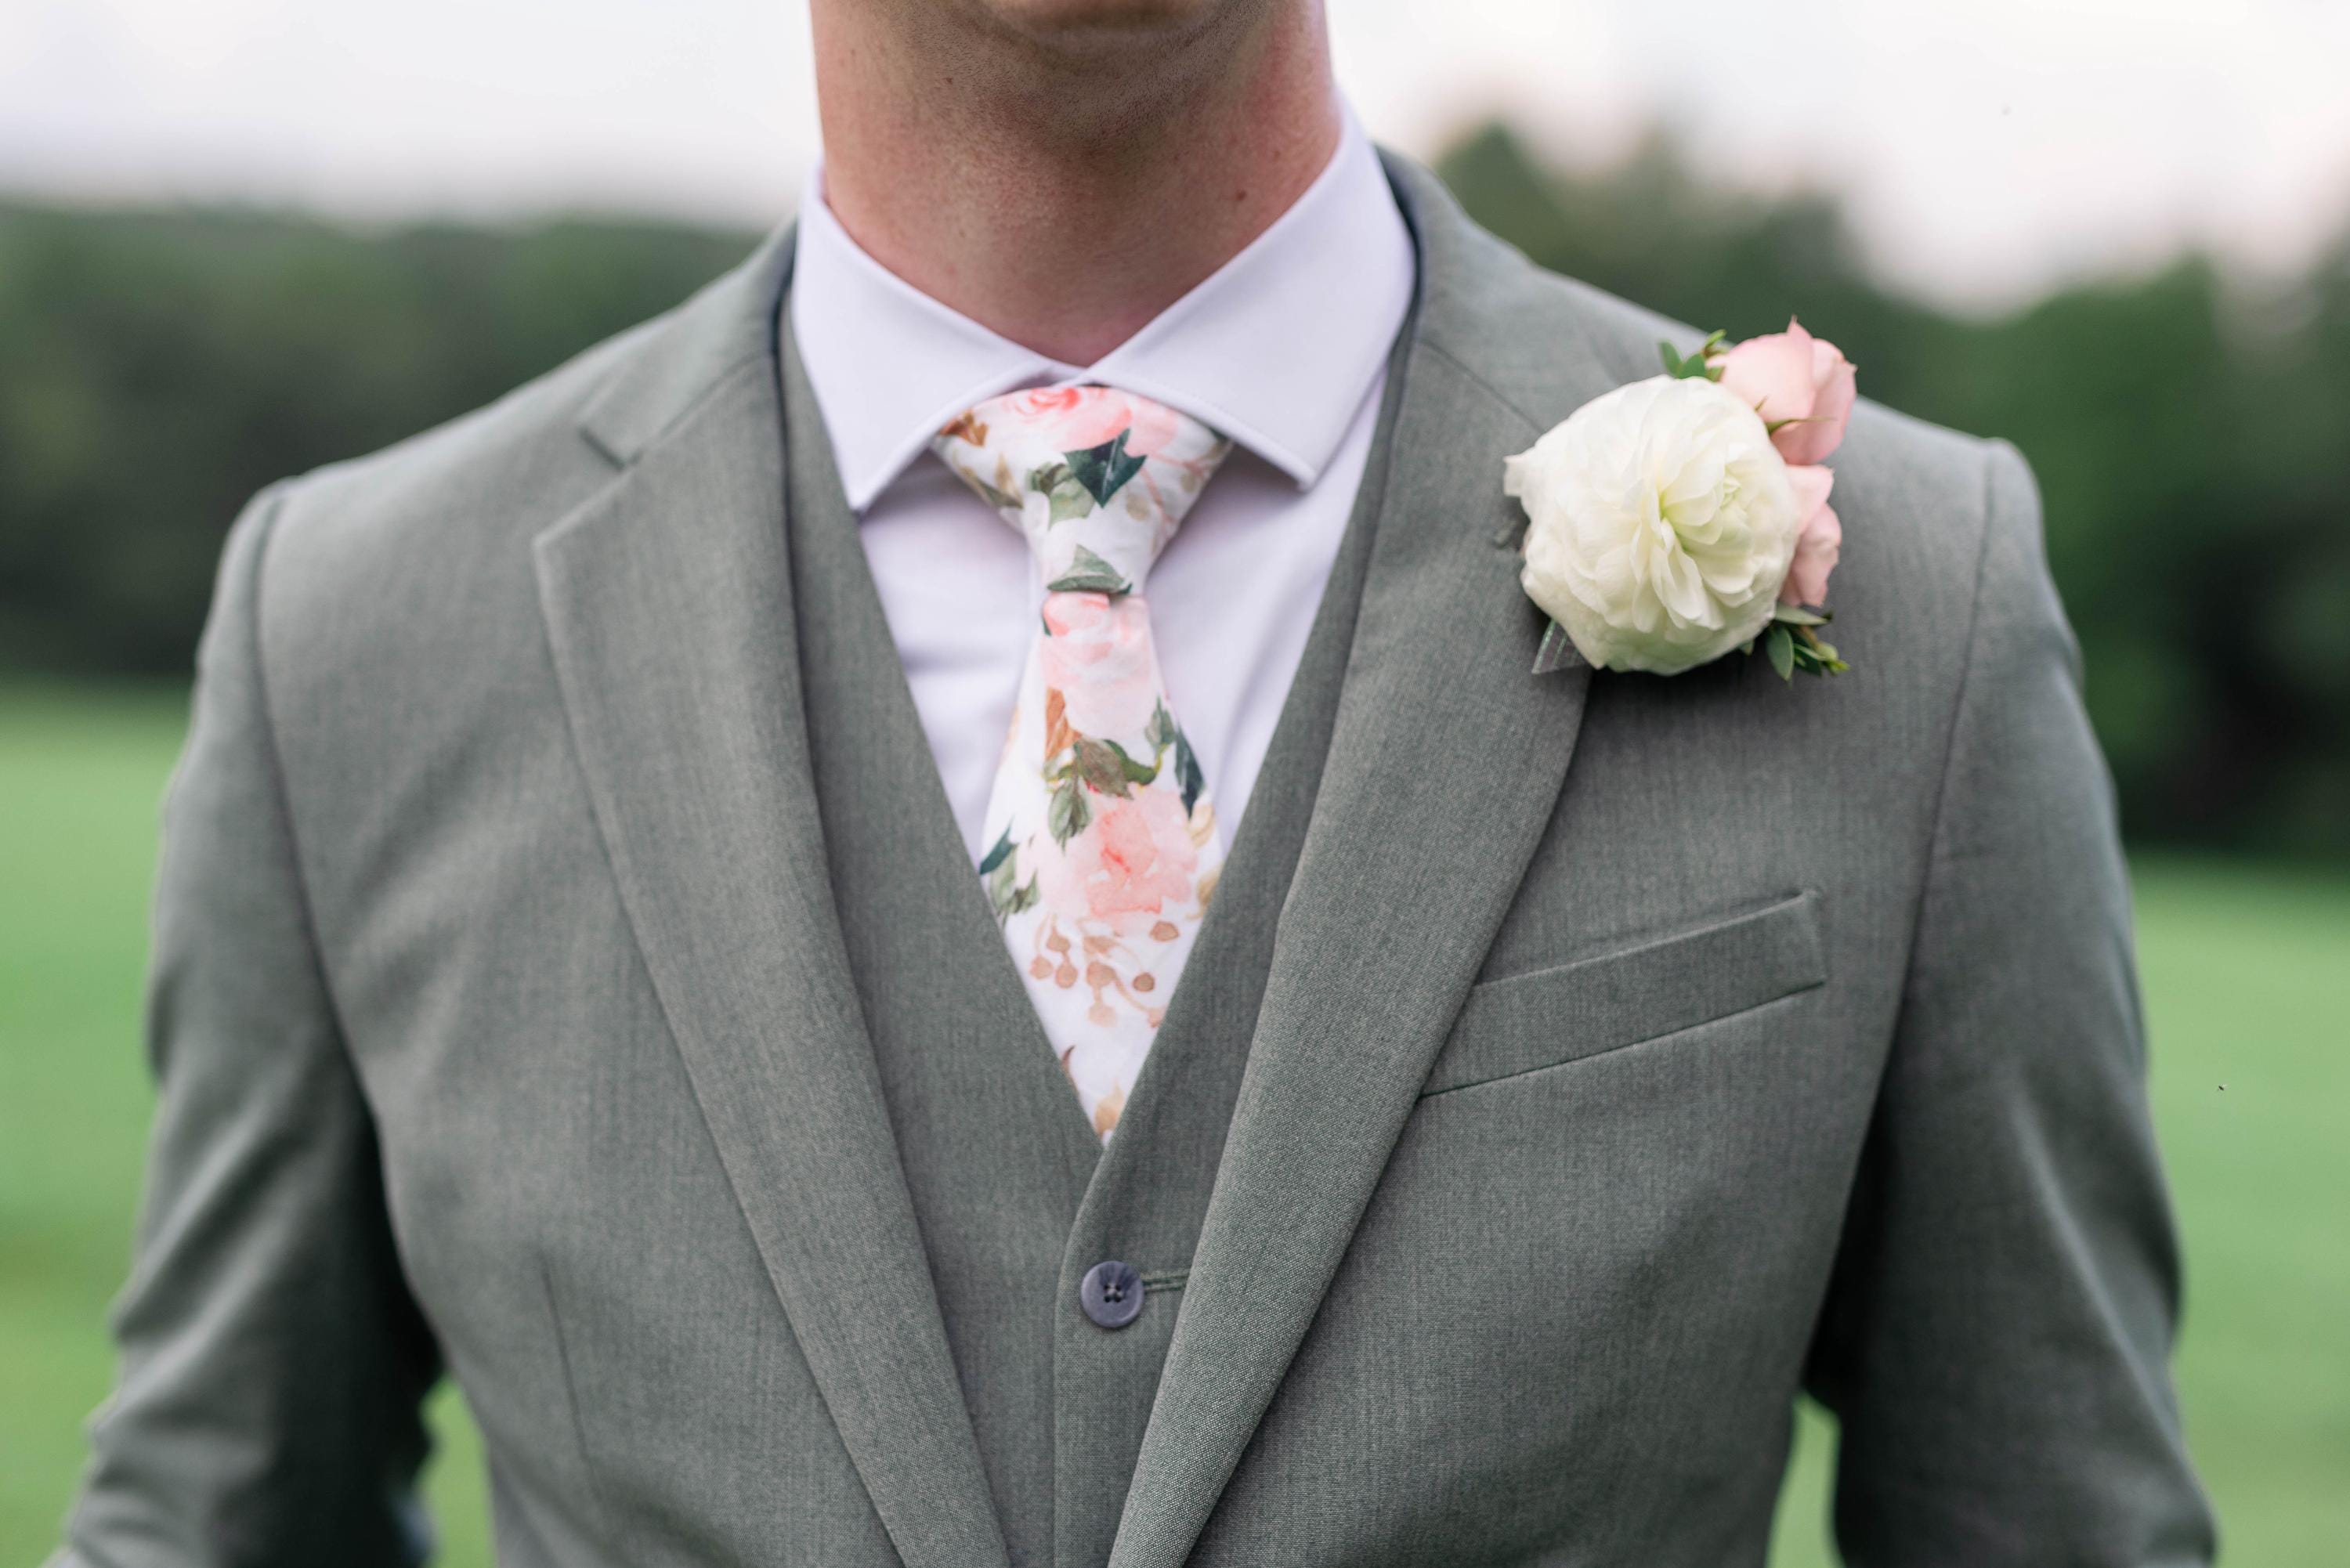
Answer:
(1549, 1016)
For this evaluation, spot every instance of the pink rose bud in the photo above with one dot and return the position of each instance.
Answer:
(1799, 383)
(1817, 543)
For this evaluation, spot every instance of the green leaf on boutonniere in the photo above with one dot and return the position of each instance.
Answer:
(1794, 646)
(1089, 574)
(1068, 815)
(1557, 650)
(1693, 366)
(1793, 640)
(1814, 654)
(1104, 470)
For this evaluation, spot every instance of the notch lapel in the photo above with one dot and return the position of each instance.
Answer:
(1444, 767)
(668, 612)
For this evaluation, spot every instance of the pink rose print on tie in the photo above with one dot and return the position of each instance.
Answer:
(1121, 891)
(1141, 862)
(1098, 655)
(1137, 860)
(1075, 418)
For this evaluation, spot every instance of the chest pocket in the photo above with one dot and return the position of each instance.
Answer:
(1545, 1017)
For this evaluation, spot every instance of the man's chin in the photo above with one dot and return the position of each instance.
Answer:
(1072, 19)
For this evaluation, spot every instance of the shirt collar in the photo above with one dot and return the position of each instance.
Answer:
(1278, 348)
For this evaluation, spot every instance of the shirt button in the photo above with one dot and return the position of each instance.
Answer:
(1111, 1293)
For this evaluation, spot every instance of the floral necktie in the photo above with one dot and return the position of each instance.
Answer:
(1104, 848)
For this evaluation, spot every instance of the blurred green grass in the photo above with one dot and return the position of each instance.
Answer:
(2248, 979)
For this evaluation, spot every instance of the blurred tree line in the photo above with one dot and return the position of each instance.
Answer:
(2191, 435)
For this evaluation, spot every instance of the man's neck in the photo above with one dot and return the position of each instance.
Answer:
(1064, 196)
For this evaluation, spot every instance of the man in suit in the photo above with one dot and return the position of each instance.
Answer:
(1318, 1093)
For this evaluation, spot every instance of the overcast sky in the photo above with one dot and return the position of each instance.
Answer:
(1986, 145)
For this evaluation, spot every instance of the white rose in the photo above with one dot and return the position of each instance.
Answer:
(1661, 525)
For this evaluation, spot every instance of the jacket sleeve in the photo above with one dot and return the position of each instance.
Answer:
(272, 1362)
(1996, 1341)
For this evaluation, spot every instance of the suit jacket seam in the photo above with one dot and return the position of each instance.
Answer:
(1961, 691)
(265, 514)
(1823, 1324)
(280, 793)
(571, 1399)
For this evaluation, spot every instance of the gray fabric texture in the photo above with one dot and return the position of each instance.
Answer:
(567, 975)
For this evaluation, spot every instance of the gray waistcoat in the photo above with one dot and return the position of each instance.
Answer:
(1014, 1198)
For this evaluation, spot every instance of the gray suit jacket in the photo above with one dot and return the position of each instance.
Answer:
(568, 978)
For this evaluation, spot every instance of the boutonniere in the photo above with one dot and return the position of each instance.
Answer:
(1676, 518)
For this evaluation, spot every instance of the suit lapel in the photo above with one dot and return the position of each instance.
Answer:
(668, 610)
(1402, 882)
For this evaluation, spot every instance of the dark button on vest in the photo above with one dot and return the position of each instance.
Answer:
(1111, 1293)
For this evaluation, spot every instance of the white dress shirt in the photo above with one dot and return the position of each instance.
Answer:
(1284, 349)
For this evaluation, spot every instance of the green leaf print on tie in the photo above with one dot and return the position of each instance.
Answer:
(1089, 574)
(1104, 470)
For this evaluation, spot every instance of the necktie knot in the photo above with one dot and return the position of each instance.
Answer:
(1097, 479)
